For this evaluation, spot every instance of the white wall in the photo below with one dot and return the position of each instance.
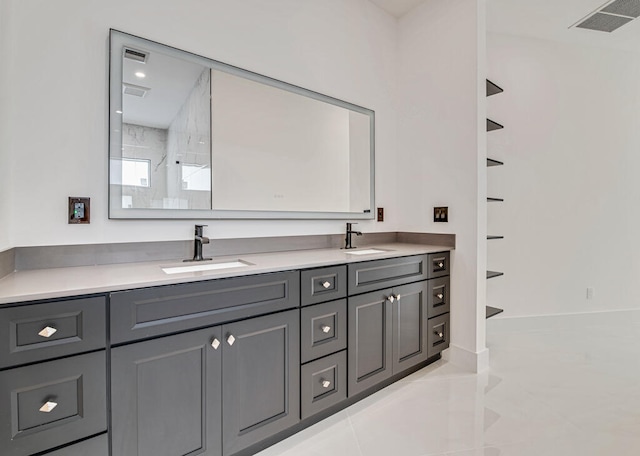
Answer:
(6, 179)
(442, 148)
(571, 180)
(342, 48)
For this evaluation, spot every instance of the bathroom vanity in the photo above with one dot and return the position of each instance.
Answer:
(126, 360)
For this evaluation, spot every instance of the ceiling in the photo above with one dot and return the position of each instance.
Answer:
(552, 20)
(397, 8)
(546, 19)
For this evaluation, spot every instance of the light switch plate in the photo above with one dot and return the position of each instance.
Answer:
(79, 210)
(441, 214)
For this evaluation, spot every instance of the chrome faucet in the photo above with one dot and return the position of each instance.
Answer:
(197, 244)
(347, 239)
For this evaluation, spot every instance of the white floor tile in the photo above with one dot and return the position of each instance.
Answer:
(557, 386)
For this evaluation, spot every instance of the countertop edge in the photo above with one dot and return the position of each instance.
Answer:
(55, 283)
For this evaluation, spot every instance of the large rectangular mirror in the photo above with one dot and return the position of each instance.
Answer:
(191, 137)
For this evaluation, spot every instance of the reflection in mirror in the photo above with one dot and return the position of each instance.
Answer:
(194, 138)
(165, 160)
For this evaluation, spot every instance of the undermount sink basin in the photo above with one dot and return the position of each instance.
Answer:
(365, 251)
(205, 267)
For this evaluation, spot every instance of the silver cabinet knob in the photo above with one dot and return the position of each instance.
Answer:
(398, 297)
(439, 334)
(325, 328)
(440, 295)
(231, 340)
(326, 284)
(441, 264)
(215, 343)
(48, 406)
(391, 298)
(48, 331)
(325, 383)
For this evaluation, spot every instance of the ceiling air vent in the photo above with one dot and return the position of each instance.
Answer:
(134, 90)
(629, 8)
(136, 55)
(611, 16)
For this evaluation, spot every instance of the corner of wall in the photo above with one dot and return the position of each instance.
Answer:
(6, 166)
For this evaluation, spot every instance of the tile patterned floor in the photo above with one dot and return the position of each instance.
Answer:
(557, 386)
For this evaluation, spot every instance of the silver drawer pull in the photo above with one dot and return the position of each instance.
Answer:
(325, 383)
(48, 406)
(439, 334)
(440, 295)
(391, 298)
(48, 332)
(325, 328)
(326, 284)
(231, 340)
(215, 343)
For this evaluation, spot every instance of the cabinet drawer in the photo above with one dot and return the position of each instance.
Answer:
(323, 284)
(139, 314)
(438, 297)
(323, 383)
(36, 332)
(96, 446)
(438, 334)
(50, 404)
(438, 265)
(323, 329)
(378, 274)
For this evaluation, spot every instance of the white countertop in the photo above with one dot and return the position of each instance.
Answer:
(37, 284)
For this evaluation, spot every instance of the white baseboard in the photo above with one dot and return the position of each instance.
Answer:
(467, 360)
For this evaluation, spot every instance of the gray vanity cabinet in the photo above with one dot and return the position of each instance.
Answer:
(166, 396)
(261, 378)
(370, 340)
(178, 395)
(387, 334)
(409, 325)
(389, 329)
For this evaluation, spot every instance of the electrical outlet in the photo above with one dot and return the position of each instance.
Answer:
(381, 214)
(79, 210)
(589, 293)
(441, 214)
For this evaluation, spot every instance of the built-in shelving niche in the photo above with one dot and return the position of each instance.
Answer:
(493, 89)
(492, 274)
(493, 125)
(493, 311)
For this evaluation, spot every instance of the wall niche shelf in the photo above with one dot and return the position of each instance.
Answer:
(492, 274)
(492, 125)
(493, 311)
(493, 89)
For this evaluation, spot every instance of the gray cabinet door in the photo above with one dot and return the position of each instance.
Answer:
(370, 343)
(409, 325)
(261, 378)
(166, 396)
